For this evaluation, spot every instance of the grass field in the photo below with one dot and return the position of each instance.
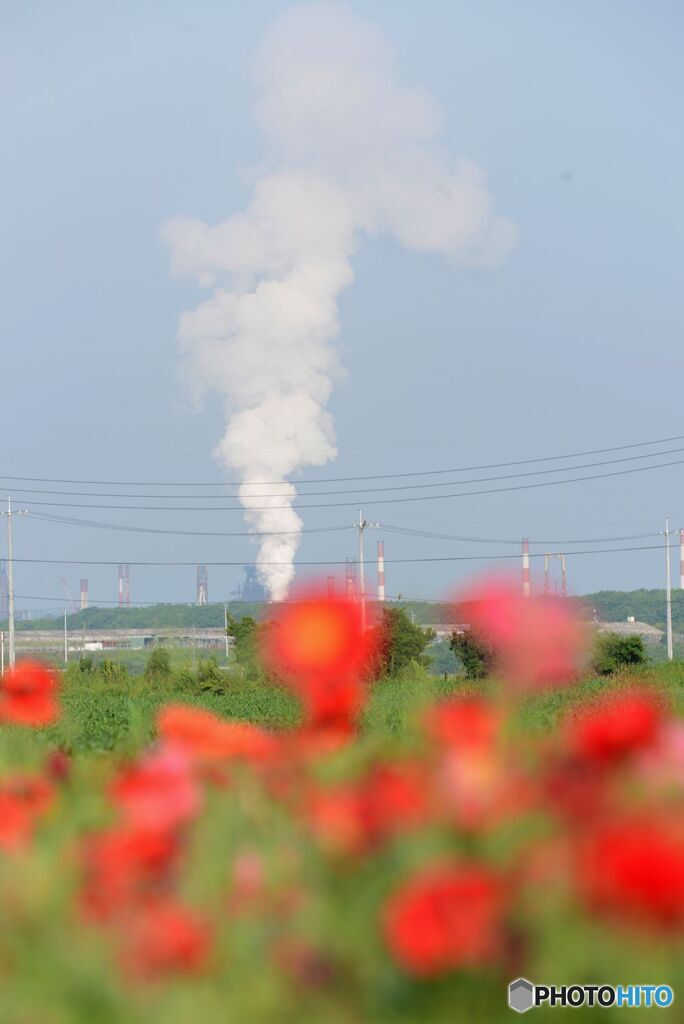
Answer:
(104, 716)
(287, 859)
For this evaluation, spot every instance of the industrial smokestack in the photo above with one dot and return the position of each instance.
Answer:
(351, 151)
(202, 585)
(381, 570)
(350, 579)
(84, 594)
(121, 586)
(526, 567)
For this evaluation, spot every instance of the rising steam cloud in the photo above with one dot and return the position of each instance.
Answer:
(351, 153)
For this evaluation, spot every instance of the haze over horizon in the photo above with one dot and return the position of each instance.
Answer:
(117, 120)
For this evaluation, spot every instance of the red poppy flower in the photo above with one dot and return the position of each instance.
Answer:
(23, 800)
(463, 722)
(352, 818)
(58, 766)
(635, 869)
(616, 726)
(332, 704)
(537, 641)
(444, 918)
(206, 737)
(158, 792)
(16, 823)
(165, 938)
(28, 695)
(574, 790)
(337, 817)
(318, 638)
(122, 866)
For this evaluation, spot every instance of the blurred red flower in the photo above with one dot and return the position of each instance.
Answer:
(122, 866)
(318, 638)
(158, 792)
(614, 727)
(23, 800)
(574, 790)
(58, 766)
(463, 722)
(165, 937)
(16, 823)
(332, 705)
(444, 918)
(206, 737)
(635, 869)
(353, 818)
(28, 695)
(537, 641)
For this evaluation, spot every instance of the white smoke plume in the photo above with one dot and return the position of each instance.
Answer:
(352, 152)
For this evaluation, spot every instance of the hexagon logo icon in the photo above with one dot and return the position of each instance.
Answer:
(521, 995)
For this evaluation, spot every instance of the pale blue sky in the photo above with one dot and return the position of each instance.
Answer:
(115, 116)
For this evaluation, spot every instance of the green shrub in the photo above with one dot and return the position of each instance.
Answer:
(613, 652)
(158, 667)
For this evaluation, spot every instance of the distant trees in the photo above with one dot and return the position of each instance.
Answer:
(474, 654)
(245, 635)
(401, 641)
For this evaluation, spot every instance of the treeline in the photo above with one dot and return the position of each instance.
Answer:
(156, 616)
(645, 605)
(607, 605)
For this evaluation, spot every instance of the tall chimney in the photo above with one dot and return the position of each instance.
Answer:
(84, 594)
(121, 586)
(526, 567)
(381, 570)
(350, 579)
(202, 585)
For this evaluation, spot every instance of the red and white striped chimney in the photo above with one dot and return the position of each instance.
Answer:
(84, 594)
(381, 570)
(526, 567)
(681, 559)
(121, 586)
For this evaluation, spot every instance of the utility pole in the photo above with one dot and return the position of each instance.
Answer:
(361, 526)
(10, 575)
(668, 590)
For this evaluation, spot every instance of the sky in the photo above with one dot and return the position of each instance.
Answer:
(119, 117)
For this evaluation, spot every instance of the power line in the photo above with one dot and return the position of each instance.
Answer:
(408, 531)
(400, 530)
(68, 521)
(348, 479)
(357, 490)
(394, 561)
(375, 501)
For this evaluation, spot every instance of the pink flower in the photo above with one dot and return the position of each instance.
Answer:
(537, 641)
